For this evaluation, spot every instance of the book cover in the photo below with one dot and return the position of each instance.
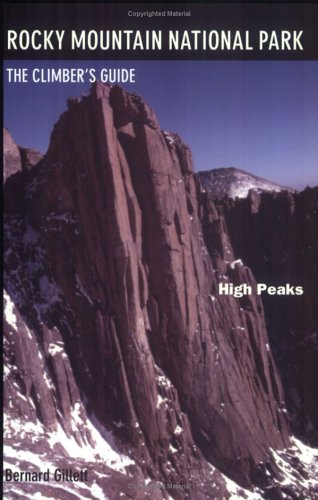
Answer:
(160, 251)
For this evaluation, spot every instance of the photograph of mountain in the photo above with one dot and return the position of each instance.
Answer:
(160, 280)
(114, 252)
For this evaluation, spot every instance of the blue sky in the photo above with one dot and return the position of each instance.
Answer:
(260, 116)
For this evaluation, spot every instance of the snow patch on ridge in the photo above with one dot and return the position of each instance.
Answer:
(235, 183)
(9, 310)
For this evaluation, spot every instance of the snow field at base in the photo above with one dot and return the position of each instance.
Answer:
(102, 450)
(102, 453)
(308, 458)
(105, 454)
(86, 492)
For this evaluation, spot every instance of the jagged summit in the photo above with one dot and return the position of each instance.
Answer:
(17, 158)
(235, 183)
(11, 155)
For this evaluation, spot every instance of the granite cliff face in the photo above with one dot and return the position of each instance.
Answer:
(113, 256)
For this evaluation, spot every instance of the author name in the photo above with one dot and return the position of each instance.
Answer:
(261, 288)
(59, 475)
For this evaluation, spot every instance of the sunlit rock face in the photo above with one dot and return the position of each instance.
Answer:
(17, 158)
(113, 257)
(11, 155)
